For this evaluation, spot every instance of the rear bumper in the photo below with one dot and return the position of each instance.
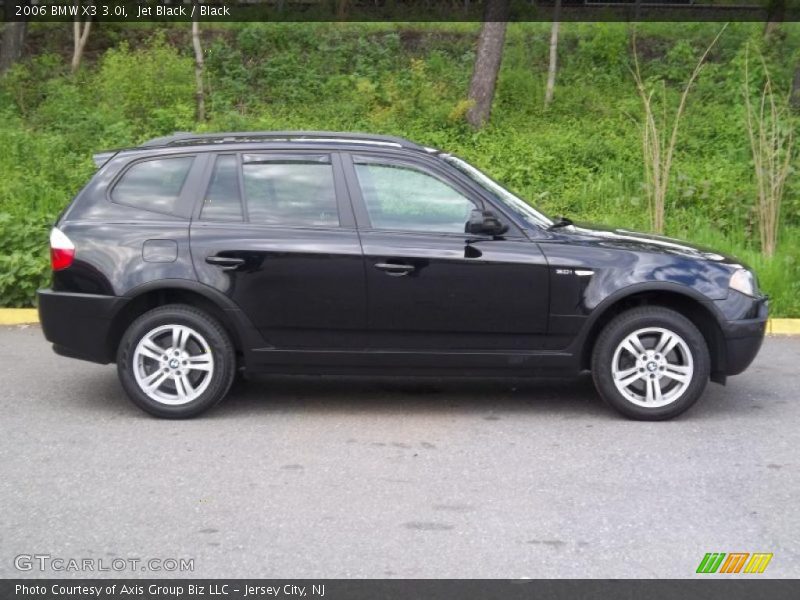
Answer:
(78, 325)
(743, 338)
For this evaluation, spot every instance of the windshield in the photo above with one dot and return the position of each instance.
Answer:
(517, 205)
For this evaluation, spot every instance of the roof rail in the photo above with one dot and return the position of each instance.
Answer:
(185, 138)
(102, 158)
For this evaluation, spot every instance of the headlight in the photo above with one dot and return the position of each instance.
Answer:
(743, 281)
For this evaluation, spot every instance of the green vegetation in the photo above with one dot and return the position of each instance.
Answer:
(581, 157)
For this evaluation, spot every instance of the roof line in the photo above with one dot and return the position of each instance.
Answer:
(185, 138)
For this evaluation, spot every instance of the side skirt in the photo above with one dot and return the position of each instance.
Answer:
(461, 363)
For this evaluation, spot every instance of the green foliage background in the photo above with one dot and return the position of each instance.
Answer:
(581, 157)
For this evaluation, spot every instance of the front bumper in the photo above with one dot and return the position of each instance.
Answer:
(79, 325)
(743, 337)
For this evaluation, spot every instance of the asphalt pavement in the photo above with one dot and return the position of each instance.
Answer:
(335, 478)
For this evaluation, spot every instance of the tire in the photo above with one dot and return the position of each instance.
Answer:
(181, 385)
(640, 380)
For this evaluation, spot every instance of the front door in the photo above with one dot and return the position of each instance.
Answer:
(430, 286)
(276, 233)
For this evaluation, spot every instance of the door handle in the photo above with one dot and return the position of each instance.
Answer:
(228, 263)
(395, 270)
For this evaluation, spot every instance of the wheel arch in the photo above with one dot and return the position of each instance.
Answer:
(149, 296)
(691, 304)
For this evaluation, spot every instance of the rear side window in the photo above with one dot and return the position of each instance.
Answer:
(290, 191)
(223, 201)
(153, 185)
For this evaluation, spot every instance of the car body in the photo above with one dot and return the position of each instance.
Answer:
(333, 253)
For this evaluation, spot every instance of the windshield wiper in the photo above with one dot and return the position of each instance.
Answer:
(561, 222)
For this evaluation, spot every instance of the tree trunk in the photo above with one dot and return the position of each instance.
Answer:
(487, 62)
(551, 71)
(198, 71)
(80, 34)
(776, 11)
(771, 28)
(12, 43)
(794, 99)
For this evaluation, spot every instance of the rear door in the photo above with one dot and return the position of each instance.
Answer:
(276, 233)
(431, 286)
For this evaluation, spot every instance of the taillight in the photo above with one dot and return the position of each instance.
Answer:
(62, 250)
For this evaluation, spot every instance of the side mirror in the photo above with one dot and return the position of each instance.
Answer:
(484, 222)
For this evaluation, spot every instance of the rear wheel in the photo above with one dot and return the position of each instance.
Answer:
(176, 361)
(650, 363)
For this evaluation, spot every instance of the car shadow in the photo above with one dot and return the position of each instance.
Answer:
(402, 395)
(572, 398)
(564, 398)
(285, 394)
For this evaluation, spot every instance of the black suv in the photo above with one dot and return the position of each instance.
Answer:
(193, 257)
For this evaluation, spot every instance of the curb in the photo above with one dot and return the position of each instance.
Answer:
(784, 326)
(18, 316)
(24, 316)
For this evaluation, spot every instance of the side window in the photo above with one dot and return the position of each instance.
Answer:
(290, 190)
(403, 198)
(223, 201)
(153, 185)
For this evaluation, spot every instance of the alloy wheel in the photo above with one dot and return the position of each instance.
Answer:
(652, 367)
(173, 364)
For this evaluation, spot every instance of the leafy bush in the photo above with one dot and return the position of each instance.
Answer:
(152, 88)
(24, 262)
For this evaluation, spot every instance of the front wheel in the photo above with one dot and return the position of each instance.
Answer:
(650, 363)
(176, 361)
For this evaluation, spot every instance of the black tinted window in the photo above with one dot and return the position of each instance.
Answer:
(222, 201)
(153, 184)
(290, 192)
